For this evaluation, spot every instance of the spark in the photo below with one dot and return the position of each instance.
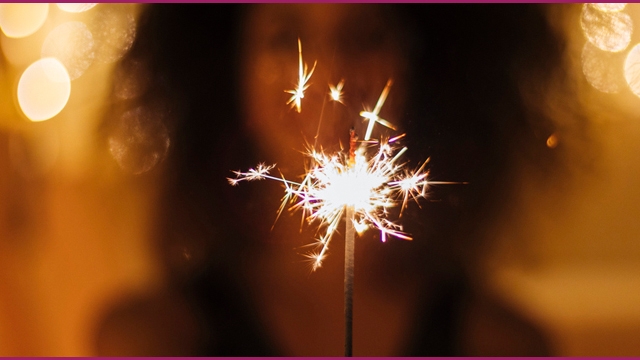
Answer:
(303, 78)
(370, 185)
(336, 91)
(260, 172)
(373, 117)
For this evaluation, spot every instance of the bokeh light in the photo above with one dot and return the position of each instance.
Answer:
(609, 31)
(552, 141)
(140, 140)
(75, 7)
(44, 89)
(71, 43)
(602, 69)
(131, 79)
(610, 7)
(21, 20)
(632, 70)
(114, 30)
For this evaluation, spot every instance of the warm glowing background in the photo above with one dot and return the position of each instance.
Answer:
(72, 224)
(119, 234)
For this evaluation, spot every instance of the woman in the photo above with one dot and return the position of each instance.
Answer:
(234, 286)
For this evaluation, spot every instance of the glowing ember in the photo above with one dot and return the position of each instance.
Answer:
(303, 78)
(336, 91)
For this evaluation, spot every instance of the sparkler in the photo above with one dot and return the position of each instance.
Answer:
(363, 188)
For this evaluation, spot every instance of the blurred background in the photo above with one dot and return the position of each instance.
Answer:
(120, 235)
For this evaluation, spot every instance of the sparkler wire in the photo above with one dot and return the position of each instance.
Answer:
(350, 235)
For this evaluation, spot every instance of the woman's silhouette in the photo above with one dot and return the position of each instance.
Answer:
(236, 287)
